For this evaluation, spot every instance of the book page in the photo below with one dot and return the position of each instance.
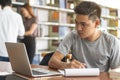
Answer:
(81, 72)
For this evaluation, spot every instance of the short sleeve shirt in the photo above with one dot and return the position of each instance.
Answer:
(28, 23)
(104, 53)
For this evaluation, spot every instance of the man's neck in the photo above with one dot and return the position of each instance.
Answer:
(95, 36)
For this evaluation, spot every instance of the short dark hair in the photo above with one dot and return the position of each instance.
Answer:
(89, 8)
(4, 3)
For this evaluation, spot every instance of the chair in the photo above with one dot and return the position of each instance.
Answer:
(47, 56)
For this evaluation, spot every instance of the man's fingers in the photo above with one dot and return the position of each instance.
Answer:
(77, 64)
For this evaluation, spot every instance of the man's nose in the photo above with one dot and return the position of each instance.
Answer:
(79, 27)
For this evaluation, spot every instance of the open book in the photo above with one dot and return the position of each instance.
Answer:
(81, 72)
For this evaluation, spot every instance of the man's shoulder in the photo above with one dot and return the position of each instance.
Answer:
(72, 35)
(109, 36)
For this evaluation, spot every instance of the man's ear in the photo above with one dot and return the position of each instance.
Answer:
(97, 23)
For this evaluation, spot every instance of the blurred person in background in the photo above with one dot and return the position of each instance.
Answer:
(30, 30)
(11, 26)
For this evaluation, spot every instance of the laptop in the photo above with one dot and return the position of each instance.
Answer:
(20, 63)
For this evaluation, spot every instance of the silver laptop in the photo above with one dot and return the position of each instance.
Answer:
(20, 62)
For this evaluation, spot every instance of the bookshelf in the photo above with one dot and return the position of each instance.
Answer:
(110, 20)
(56, 23)
(56, 19)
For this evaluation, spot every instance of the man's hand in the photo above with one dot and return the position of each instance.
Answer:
(76, 64)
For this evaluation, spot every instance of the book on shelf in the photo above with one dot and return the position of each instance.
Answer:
(119, 13)
(44, 30)
(62, 3)
(38, 2)
(42, 2)
(63, 31)
(53, 31)
(53, 44)
(54, 16)
(70, 18)
(105, 11)
(62, 17)
(104, 23)
(70, 4)
(114, 32)
(113, 12)
(54, 3)
(113, 23)
(59, 31)
(42, 15)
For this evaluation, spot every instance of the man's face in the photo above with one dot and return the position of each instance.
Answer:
(84, 26)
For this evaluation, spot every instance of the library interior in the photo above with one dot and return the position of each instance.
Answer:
(54, 25)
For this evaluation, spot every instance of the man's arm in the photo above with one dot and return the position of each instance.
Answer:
(56, 63)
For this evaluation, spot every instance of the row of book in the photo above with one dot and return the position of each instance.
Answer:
(109, 11)
(53, 16)
(69, 4)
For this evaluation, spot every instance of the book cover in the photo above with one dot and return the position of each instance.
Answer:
(62, 3)
(42, 13)
(54, 16)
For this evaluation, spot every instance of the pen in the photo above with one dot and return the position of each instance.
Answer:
(69, 57)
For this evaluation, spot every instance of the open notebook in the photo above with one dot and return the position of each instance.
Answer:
(20, 62)
(81, 72)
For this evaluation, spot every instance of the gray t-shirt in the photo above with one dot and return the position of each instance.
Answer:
(104, 53)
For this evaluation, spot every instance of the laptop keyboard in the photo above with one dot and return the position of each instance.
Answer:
(41, 70)
(37, 72)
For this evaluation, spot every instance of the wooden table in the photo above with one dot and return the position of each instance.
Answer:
(5, 66)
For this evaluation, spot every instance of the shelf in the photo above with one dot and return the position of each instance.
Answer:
(18, 3)
(113, 28)
(110, 17)
(57, 24)
(46, 7)
(109, 28)
(48, 38)
(53, 8)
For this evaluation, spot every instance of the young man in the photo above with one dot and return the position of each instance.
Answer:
(11, 25)
(89, 46)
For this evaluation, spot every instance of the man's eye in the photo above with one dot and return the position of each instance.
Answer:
(83, 24)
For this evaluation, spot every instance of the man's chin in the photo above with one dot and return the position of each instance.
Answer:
(81, 36)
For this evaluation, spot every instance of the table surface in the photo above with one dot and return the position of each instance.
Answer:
(6, 67)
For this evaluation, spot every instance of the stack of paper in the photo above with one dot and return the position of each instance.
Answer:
(81, 72)
(115, 74)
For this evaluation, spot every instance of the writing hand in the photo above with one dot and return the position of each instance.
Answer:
(76, 64)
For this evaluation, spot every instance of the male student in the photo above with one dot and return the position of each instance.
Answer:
(89, 46)
(11, 25)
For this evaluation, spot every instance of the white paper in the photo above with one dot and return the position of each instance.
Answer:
(4, 73)
(81, 72)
